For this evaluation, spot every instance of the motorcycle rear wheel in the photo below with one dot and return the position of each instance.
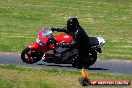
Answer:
(28, 56)
(90, 60)
(78, 63)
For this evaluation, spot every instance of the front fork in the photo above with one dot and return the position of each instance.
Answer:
(36, 49)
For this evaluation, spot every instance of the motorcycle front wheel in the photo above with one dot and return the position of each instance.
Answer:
(29, 56)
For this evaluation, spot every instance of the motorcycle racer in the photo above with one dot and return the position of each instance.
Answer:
(80, 38)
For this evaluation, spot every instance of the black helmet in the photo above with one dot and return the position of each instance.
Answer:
(72, 24)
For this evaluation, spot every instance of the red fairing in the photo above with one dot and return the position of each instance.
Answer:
(36, 47)
(59, 38)
(33, 45)
(63, 38)
(41, 37)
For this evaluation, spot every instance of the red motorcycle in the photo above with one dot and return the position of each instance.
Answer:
(45, 49)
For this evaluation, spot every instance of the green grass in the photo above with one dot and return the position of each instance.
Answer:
(20, 77)
(20, 20)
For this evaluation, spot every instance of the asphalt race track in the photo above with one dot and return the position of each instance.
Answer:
(104, 66)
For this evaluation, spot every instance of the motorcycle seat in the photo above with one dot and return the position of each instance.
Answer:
(93, 41)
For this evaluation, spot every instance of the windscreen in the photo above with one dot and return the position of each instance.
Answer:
(47, 33)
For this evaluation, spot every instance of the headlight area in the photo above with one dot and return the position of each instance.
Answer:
(39, 42)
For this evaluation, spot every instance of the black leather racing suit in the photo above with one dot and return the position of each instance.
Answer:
(80, 40)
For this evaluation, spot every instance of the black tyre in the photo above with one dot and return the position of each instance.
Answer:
(30, 57)
(77, 63)
(92, 58)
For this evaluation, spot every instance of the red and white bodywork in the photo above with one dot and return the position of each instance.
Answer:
(45, 48)
(50, 50)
